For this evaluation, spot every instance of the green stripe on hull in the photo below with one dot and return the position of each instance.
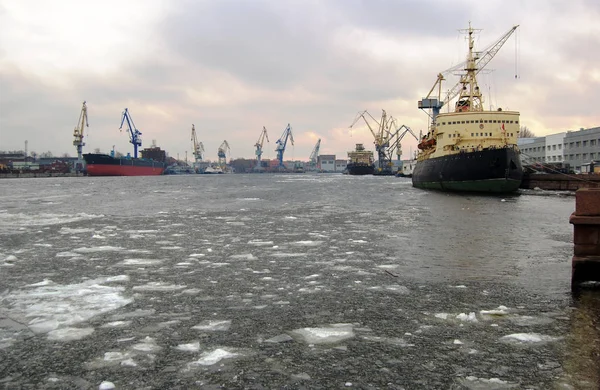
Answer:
(494, 186)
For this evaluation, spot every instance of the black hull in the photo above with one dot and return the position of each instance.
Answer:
(491, 170)
(360, 169)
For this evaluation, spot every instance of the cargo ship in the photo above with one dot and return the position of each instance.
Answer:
(470, 149)
(152, 162)
(109, 165)
(360, 161)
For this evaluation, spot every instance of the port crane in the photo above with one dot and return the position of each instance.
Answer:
(281, 144)
(198, 146)
(477, 62)
(135, 136)
(381, 134)
(259, 147)
(222, 153)
(396, 139)
(314, 156)
(78, 132)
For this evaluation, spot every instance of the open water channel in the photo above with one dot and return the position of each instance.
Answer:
(288, 281)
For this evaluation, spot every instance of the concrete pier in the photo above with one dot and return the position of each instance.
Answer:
(560, 182)
(586, 236)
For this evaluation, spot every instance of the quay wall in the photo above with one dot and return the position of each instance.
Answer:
(560, 182)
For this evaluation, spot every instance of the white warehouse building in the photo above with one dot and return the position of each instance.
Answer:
(574, 148)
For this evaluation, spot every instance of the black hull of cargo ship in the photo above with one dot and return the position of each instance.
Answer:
(360, 169)
(490, 170)
(105, 165)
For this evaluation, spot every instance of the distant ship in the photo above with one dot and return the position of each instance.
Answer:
(213, 170)
(360, 161)
(469, 149)
(109, 165)
(153, 161)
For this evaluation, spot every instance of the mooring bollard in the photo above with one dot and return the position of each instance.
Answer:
(586, 236)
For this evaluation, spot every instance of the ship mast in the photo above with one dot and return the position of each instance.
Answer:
(470, 95)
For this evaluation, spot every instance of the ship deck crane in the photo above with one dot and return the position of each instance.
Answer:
(135, 136)
(479, 61)
(381, 134)
(222, 154)
(281, 144)
(78, 132)
(259, 147)
(198, 146)
(314, 156)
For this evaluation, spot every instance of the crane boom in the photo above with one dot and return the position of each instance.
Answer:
(78, 132)
(281, 144)
(134, 134)
(314, 156)
(198, 146)
(259, 146)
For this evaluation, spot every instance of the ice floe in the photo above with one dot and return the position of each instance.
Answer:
(158, 286)
(213, 357)
(471, 317)
(325, 335)
(192, 347)
(95, 249)
(528, 338)
(213, 325)
(69, 334)
(475, 383)
(50, 307)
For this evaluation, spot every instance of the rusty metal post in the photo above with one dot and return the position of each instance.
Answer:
(586, 236)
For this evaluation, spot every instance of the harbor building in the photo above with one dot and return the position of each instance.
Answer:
(574, 148)
(340, 165)
(326, 162)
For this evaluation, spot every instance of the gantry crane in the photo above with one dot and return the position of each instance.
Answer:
(135, 136)
(222, 153)
(472, 66)
(197, 146)
(259, 147)
(78, 132)
(314, 156)
(281, 144)
(381, 139)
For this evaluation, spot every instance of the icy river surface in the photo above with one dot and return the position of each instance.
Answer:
(287, 281)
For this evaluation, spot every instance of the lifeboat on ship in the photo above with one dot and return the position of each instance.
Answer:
(426, 144)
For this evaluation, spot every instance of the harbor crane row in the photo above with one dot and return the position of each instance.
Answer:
(78, 132)
(480, 59)
(222, 153)
(381, 134)
(314, 156)
(281, 144)
(259, 147)
(197, 146)
(135, 136)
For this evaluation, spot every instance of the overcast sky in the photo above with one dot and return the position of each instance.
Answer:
(233, 66)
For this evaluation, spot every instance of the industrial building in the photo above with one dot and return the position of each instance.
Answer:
(573, 148)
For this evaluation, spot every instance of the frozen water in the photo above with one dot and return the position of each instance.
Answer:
(302, 302)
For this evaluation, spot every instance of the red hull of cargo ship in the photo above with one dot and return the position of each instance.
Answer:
(122, 170)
